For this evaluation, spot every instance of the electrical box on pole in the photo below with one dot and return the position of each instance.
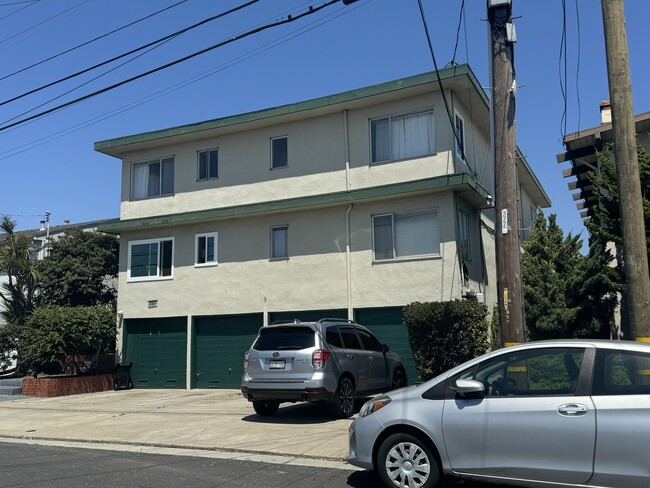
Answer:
(508, 255)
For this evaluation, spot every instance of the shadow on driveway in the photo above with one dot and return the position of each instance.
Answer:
(301, 413)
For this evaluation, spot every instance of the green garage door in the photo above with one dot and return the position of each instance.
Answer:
(158, 350)
(386, 324)
(308, 315)
(219, 347)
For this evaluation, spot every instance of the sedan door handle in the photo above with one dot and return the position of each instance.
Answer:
(349, 356)
(371, 358)
(572, 409)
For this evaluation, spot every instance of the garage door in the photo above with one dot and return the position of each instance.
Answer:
(219, 347)
(386, 324)
(158, 350)
(308, 315)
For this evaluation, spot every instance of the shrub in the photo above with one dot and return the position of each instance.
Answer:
(445, 334)
(53, 333)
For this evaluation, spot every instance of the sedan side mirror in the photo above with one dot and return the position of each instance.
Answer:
(385, 348)
(469, 387)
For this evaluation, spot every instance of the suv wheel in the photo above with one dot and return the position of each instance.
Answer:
(399, 380)
(266, 408)
(343, 402)
(405, 461)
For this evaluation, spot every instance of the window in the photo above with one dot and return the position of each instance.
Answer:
(206, 249)
(402, 136)
(153, 178)
(149, 259)
(208, 162)
(350, 339)
(621, 373)
(406, 235)
(459, 140)
(463, 234)
(370, 342)
(279, 248)
(279, 152)
(537, 372)
(287, 338)
(332, 337)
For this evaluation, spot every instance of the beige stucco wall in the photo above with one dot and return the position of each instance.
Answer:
(314, 276)
(317, 161)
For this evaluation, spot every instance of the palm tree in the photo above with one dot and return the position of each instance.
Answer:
(17, 293)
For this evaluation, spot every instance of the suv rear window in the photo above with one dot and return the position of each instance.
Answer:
(285, 338)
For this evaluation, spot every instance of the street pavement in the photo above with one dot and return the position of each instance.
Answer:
(195, 420)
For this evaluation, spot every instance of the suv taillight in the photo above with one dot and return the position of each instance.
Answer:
(246, 360)
(319, 357)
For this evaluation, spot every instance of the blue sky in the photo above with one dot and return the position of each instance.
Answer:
(50, 164)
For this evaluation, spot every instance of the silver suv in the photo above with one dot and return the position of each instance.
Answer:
(332, 360)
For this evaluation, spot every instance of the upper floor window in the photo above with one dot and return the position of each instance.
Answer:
(279, 242)
(279, 152)
(208, 162)
(463, 234)
(459, 140)
(206, 249)
(150, 259)
(153, 178)
(401, 136)
(406, 235)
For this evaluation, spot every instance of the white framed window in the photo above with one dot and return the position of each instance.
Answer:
(279, 242)
(152, 178)
(406, 235)
(463, 235)
(205, 246)
(208, 164)
(401, 136)
(459, 140)
(151, 259)
(279, 152)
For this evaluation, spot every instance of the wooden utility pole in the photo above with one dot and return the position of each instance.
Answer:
(635, 258)
(508, 255)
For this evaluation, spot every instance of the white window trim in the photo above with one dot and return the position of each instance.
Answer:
(426, 110)
(131, 279)
(207, 264)
(207, 169)
(416, 257)
(273, 168)
(281, 258)
(133, 164)
(456, 148)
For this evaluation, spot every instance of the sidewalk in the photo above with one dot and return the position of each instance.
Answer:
(195, 419)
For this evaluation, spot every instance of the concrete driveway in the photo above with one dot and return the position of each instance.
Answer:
(195, 419)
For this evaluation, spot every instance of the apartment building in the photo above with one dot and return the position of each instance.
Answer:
(351, 205)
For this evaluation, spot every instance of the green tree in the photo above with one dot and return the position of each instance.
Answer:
(605, 224)
(17, 293)
(53, 333)
(80, 270)
(566, 294)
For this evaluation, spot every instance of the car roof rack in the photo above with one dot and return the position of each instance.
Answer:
(331, 319)
(278, 322)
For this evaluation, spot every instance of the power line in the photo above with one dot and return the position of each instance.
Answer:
(461, 17)
(20, 9)
(289, 19)
(266, 47)
(44, 21)
(103, 63)
(442, 91)
(91, 40)
(17, 3)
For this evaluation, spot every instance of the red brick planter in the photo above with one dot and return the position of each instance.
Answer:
(66, 385)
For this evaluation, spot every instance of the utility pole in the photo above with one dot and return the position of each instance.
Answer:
(508, 254)
(635, 258)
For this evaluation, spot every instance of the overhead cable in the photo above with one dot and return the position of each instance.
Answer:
(289, 19)
(103, 63)
(90, 41)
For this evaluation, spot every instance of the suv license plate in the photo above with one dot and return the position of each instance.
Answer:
(277, 364)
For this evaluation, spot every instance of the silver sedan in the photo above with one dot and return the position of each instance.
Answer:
(552, 413)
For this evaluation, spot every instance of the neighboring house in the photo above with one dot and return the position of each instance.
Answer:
(581, 151)
(351, 205)
(40, 237)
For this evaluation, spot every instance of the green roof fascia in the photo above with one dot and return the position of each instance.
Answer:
(324, 200)
(530, 171)
(421, 79)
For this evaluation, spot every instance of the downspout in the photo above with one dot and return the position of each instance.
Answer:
(348, 262)
(346, 144)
